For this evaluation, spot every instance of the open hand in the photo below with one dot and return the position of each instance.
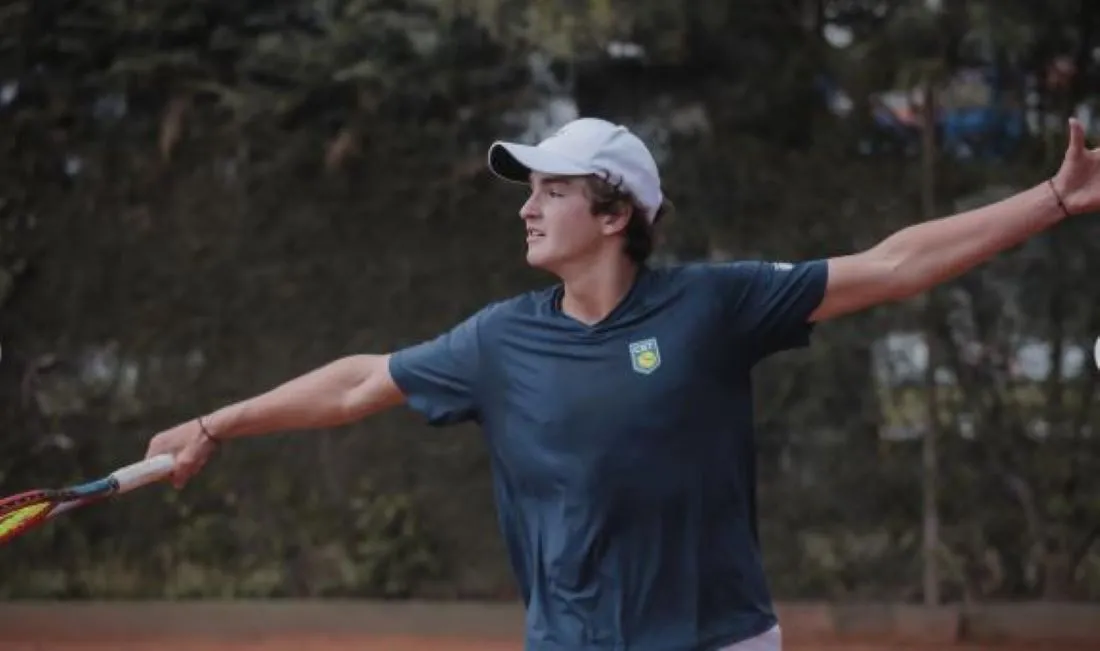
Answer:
(1078, 180)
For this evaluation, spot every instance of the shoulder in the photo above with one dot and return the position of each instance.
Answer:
(719, 268)
(734, 273)
(705, 270)
(531, 303)
(705, 274)
(517, 309)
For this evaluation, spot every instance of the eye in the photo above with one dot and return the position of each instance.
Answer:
(556, 193)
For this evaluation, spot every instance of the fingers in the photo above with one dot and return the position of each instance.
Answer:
(187, 464)
(189, 448)
(190, 460)
(156, 446)
(182, 473)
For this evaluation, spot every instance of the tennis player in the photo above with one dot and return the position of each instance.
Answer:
(617, 404)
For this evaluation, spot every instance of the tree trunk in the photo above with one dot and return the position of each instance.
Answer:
(1057, 573)
(929, 474)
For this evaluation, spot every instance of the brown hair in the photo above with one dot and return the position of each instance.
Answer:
(640, 235)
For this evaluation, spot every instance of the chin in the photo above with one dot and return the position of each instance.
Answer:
(539, 260)
(535, 261)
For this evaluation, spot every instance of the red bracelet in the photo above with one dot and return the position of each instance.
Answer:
(205, 432)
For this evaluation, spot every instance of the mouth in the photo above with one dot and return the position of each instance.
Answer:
(534, 234)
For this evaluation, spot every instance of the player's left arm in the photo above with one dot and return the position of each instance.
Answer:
(922, 256)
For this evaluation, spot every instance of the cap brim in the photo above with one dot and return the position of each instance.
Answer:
(515, 162)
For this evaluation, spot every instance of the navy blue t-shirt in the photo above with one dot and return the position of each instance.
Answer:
(623, 453)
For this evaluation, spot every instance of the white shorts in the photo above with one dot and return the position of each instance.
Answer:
(771, 640)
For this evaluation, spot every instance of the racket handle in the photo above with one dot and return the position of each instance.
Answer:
(144, 472)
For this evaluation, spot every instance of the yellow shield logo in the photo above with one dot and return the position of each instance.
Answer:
(645, 356)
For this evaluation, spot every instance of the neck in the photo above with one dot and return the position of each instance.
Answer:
(593, 290)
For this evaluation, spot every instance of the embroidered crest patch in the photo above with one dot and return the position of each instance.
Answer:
(645, 356)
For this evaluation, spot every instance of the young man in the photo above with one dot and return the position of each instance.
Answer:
(617, 404)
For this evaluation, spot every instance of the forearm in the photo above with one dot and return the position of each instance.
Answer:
(926, 254)
(334, 394)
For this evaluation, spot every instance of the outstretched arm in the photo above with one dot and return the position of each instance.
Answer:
(437, 378)
(922, 256)
(338, 393)
(343, 391)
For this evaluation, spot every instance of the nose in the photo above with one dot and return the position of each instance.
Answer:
(529, 210)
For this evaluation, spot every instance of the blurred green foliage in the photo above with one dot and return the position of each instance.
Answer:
(201, 199)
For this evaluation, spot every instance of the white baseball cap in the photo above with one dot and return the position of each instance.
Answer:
(586, 146)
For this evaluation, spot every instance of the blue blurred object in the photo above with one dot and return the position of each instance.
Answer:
(974, 120)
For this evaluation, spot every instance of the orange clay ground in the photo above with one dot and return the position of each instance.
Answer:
(350, 626)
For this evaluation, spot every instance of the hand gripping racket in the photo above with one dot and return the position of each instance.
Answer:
(22, 512)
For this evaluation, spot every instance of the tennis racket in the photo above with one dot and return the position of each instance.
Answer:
(24, 511)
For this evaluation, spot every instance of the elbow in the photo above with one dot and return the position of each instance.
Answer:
(915, 265)
(901, 279)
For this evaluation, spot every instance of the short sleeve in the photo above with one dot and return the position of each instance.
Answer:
(770, 303)
(440, 377)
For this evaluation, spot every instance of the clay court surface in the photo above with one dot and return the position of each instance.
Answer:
(366, 643)
(418, 627)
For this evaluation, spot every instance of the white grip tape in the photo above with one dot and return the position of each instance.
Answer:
(144, 472)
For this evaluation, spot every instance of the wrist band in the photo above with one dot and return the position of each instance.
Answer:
(205, 432)
(1058, 198)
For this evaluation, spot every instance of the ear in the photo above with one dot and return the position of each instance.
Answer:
(615, 221)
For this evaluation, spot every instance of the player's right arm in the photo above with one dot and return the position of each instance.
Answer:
(338, 393)
(438, 379)
(341, 392)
